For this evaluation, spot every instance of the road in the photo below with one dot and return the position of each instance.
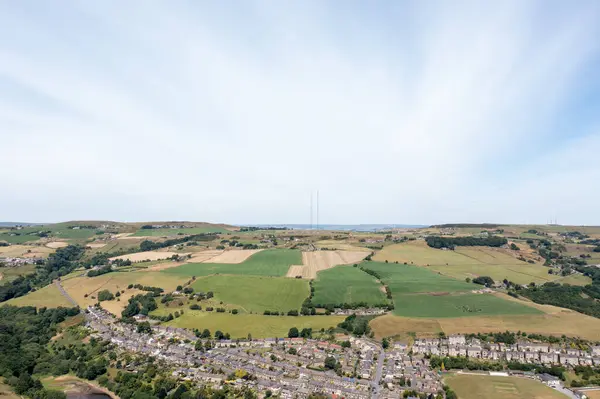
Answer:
(378, 372)
(64, 293)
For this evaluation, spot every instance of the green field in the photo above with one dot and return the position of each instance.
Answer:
(404, 279)
(457, 305)
(468, 386)
(241, 324)
(271, 262)
(174, 232)
(10, 273)
(254, 293)
(49, 297)
(347, 284)
(17, 239)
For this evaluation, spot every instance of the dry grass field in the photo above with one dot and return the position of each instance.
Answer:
(205, 256)
(79, 287)
(49, 297)
(470, 386)
(57, 244)
(25, 251)
(314, 262)
(592, 394)
(233, 256)
(96, 245)
(148, 255)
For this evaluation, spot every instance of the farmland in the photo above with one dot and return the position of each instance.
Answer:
(255, 293)
(240, 325)
(404, 279)
(347, 284)
(470, 262)
(272, 262)
(470, 386)
(457, 305)
(174, 232)
(11, 273)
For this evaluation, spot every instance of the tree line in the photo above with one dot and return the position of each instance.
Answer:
(452, 242)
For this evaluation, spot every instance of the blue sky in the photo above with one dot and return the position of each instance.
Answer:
(397, 112)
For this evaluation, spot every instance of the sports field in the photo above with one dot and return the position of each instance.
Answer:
(347, 284)
(49, 297)
(175, 232)
(271, 262)
(457, 305)
(241, 324)
(468, 386)
(255, 293)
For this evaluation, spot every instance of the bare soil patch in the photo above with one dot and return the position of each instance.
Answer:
(439, 293)
(148, 255)
(164, 266)
(234, 256)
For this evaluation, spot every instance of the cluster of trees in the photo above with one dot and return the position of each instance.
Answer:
(139, 304)
(148, 245)
(60, 263)
(582, 299)
(469, 364)
(304, 333)
(357, 325)
(452, 242)
(484, 280)
(100, 271)
(25, 333)
(105, 295)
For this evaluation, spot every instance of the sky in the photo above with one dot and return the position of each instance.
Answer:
(418, 112)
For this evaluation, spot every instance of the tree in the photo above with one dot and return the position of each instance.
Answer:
(144, 328)
(330, 362)
(514, 247)
(105, 295)
(484, 280)
(385, 343)
(293, 333)
(219, 335)
(205, 333)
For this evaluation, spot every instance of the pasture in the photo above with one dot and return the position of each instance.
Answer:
(255, 293)
(457, 305)
(17, 237)
(347, 284)
(470, 386)
(240, 325)
(271, 262)
(233, 256)
(175, 232)
(404, 279)
(49, 297)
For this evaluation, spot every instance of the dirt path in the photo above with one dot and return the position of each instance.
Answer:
(64, 293)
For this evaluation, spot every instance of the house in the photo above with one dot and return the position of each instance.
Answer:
(457, 339)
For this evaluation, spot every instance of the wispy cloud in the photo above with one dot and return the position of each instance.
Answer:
(418, 112)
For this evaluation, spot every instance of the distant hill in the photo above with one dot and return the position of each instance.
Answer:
(12, 224)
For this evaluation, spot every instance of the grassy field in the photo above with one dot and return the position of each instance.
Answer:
(241, 324)
(49, 297)
(26, 251)
(254, 293)
(553, 321)
(404, 279)
(272, 262)
(174, 232)
(457, 305)
(592, 394)
(17, 239)
(8, 274)
(493, 387)
(347, 284)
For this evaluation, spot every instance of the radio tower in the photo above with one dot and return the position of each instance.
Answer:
(317, 209)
